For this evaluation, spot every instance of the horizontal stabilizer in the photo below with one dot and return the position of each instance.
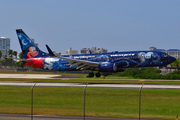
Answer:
(25, 60)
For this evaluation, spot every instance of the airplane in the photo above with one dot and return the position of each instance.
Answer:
(101, 62)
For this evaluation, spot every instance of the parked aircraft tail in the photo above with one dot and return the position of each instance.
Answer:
(29, 49)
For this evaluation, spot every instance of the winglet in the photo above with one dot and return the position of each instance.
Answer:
(50, 51)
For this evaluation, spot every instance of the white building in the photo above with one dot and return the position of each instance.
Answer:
(71, 52)
(4, 45)
(172, 52)
(93, 50)
(85, 50)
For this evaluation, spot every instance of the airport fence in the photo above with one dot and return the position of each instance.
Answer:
(133, 103)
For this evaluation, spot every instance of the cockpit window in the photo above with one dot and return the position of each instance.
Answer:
(165, 55)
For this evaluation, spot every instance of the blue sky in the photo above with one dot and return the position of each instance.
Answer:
(116, 25)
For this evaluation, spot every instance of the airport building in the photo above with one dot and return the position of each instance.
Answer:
(4, 45)
(86, 51)
(71, 52)
(93, 50)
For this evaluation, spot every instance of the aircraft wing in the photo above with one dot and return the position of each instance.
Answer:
(81, 64)
(20, 59)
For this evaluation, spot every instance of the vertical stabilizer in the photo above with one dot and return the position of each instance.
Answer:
(29, 49)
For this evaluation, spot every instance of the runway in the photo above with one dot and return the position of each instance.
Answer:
(115, 86)
(82, 85)
(29, 76)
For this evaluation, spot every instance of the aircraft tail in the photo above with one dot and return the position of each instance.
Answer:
(29, 49)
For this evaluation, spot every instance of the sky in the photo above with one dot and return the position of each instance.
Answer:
(116, 25)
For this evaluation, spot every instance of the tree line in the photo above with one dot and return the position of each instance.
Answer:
(7, 61)
(152, 73)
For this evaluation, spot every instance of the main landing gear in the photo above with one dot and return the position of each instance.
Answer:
(91, 74)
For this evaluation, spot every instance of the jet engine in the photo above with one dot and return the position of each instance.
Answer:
(108, 67)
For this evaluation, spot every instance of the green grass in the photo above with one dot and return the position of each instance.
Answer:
(99, 102)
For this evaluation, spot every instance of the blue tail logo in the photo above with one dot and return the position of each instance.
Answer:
(29, 49)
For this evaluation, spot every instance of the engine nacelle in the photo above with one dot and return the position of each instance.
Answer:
(108, 67)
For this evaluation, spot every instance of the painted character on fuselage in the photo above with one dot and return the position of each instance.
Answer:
(147, 58)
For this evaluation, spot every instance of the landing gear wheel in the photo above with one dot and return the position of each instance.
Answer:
(98, 74)
(91, 74)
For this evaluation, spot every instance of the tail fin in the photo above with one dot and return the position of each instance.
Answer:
(29, 49)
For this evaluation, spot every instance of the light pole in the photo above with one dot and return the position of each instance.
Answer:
(32, 101)
(140, 101)
(84, 100)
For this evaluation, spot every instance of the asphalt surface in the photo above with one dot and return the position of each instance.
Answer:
(115, 86)
(29, 76)
(63, 117)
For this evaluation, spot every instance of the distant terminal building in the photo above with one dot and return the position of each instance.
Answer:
(172, 52)
(86, 51)
(71, 52)
(93, 50)
(57, 53)
(4, 45)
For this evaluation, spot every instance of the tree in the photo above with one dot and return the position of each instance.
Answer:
(176, 64)
(19, 63)
(5, 61)
(21, 55)
(10, 53)
(0, 54)
(15, 53)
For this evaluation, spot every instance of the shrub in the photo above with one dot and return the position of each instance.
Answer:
(149, 73)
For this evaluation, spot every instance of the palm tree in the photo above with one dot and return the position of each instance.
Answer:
(19, 63)
(10, 52)
(21, 55)
(15, 53)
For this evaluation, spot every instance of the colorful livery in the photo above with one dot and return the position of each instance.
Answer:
(101, 62)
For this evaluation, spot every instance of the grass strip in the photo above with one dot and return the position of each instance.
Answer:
(99, 102)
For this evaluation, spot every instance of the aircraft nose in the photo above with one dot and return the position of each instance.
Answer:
(172, 59)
